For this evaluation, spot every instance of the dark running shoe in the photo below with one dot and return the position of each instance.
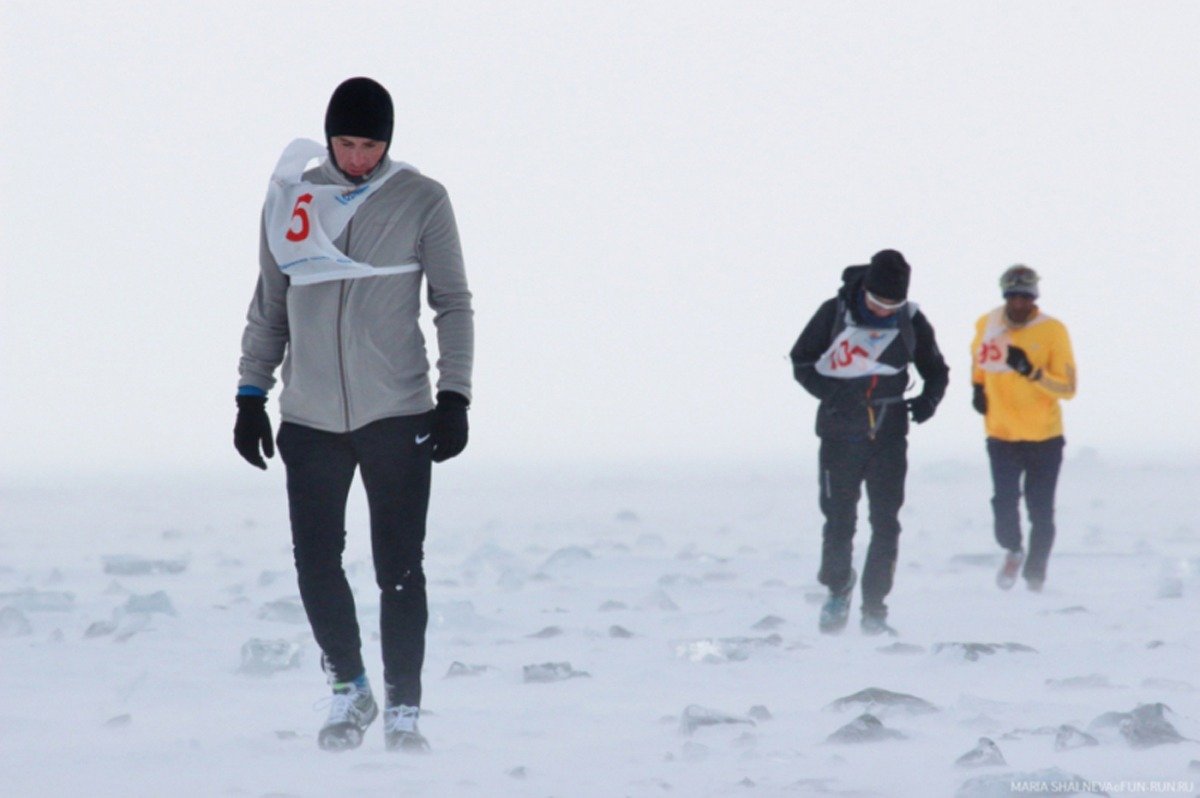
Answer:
(836, 610)
(874, 622)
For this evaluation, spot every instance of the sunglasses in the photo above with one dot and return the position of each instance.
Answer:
(1018, 278)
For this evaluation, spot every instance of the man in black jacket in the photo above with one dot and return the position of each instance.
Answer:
(853, 356)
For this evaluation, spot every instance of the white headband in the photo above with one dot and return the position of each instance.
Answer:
(883, 303)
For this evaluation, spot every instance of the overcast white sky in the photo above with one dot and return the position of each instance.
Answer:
(653, 199)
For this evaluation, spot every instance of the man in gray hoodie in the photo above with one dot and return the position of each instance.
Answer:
(357, 397)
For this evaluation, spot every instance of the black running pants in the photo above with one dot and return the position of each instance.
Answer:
(1039, 463)
(844, 466)
(393, 457)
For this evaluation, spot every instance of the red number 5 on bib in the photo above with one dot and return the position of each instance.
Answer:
(302, 215)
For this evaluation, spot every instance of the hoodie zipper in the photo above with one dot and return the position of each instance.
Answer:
(871, 407)
(343, 292)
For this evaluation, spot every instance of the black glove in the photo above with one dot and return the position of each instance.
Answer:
(921, 408)
(1018, 361)
(979, 399)
(449, 425)
(253, 427)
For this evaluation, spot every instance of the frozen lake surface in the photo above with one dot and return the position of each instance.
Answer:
(596, 632)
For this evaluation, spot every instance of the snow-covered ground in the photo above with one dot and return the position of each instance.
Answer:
(680, 594)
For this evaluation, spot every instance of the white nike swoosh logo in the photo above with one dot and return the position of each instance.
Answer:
(422, 438)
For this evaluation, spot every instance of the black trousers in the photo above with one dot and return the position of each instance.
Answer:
(393, 456)
(1039, 462)
(844, 466)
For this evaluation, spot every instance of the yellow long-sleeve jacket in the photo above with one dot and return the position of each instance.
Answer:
(1020, 408)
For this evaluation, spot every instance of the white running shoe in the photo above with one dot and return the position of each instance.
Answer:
(1007, 577)
(400, 730)
(351, 710)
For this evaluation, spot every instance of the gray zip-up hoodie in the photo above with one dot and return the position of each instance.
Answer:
(352, 351)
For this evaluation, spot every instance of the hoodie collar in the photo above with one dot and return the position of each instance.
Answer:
(330, 171)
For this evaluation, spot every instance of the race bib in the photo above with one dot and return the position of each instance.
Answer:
(856, 352)
(302, 219)
(993, 350)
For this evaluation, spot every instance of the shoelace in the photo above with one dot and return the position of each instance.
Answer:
(341, 707)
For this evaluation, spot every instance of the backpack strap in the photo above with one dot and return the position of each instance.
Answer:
(907, 333)
(839, 320)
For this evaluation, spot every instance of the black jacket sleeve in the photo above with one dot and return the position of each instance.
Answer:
(812, 343)
(929, 361)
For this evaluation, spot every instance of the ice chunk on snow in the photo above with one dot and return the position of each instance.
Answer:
(1069, 738)
(268, 578)
(692, 553)
(547, 633)
(1171, 578)
(678, 580)
(567, 557)
(658, 600)
(39, 600)
(131, 624)
(866, 728)
(283, 611)
(552, 672)
(462, 669)
(458, 616)
(150, 603)
(100, 628)
(131, 565)
(1146, 726)
(264, 657)
(1074, 609)
(745, 740)
(13, 623)
(1040, 731)
(768, 623)
(973, 651)
(1094, 681)
(725, 649)
(1173, 685)
(874, 698)
(985, 754)
(695, 716)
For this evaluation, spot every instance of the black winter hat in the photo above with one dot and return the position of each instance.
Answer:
(360, 107)
(887, 276)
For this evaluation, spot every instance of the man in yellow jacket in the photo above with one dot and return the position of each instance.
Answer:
(1022, 366)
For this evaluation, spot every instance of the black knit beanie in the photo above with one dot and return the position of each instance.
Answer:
(887, 276)
(360, 107)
